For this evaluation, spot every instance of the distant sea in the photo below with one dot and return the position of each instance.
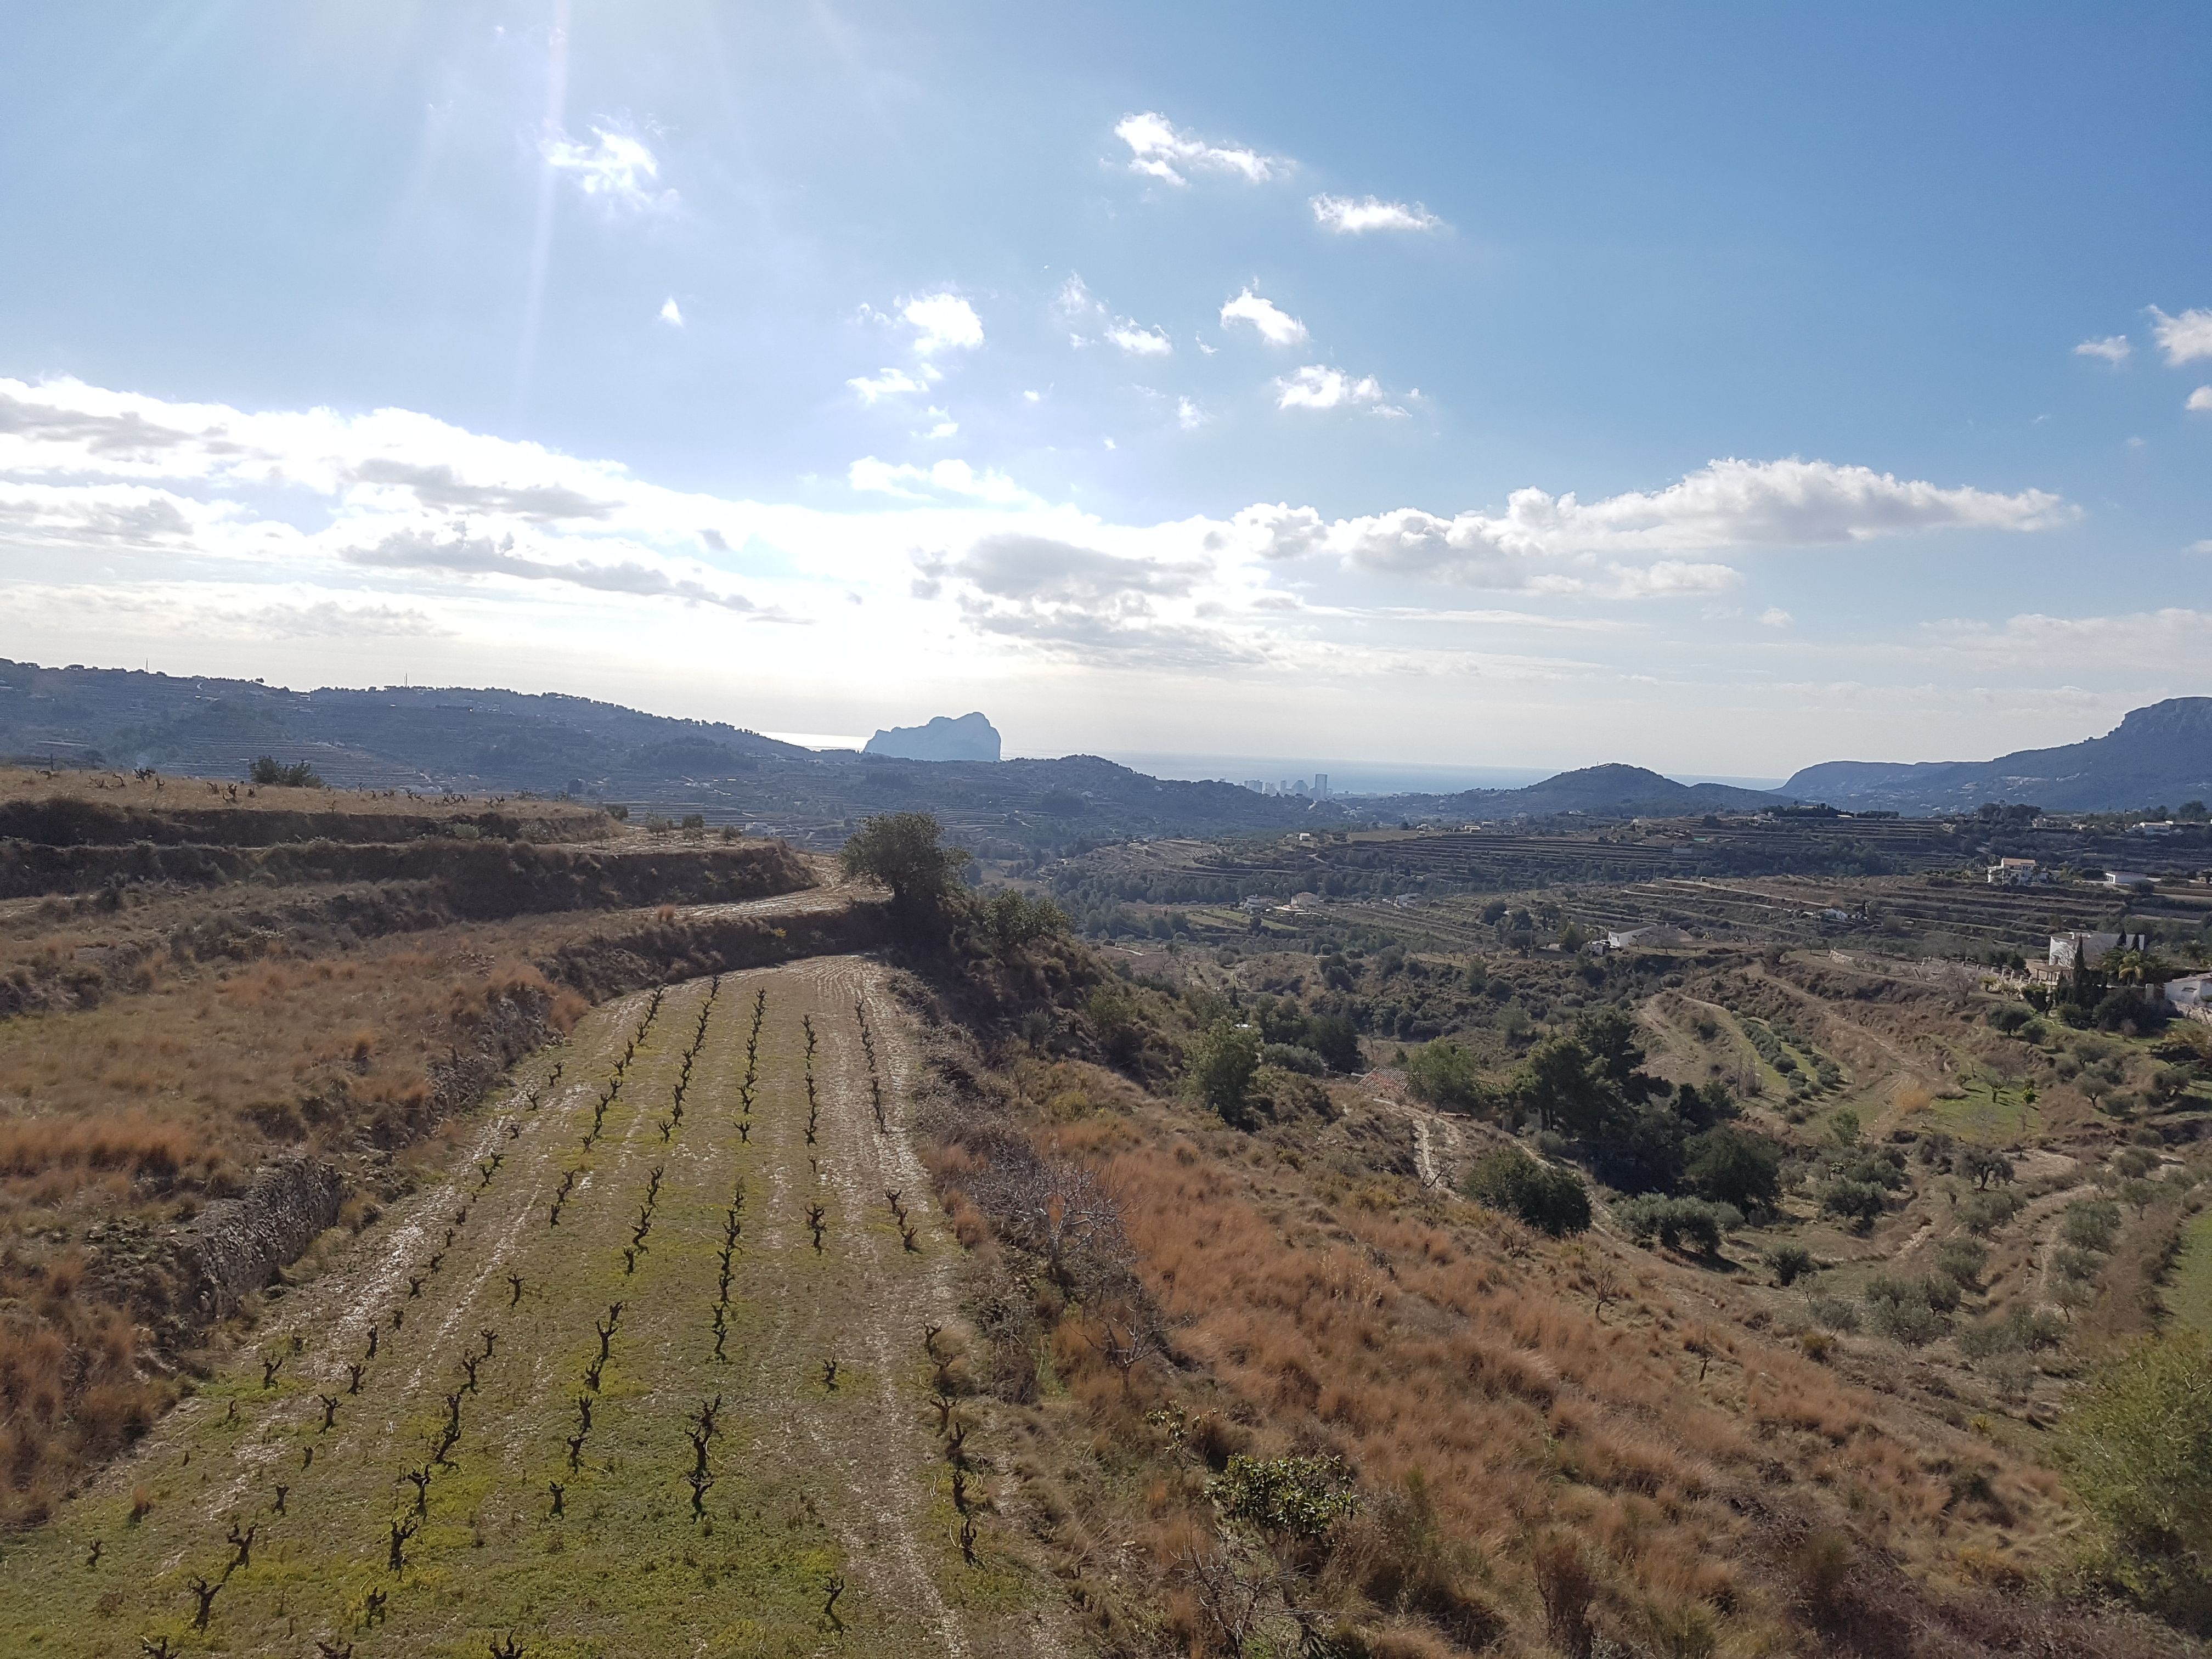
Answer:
(1345, 777)
(1371, 777)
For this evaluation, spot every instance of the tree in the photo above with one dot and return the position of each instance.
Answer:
(899, 850)
(1736, 1167)
(2139, 1444)
(1222, 1061)
(1558, 1084)
(1551, 1200)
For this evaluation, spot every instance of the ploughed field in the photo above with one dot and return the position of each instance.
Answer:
(651, 1372)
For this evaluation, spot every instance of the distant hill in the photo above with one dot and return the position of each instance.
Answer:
(970, 738)
(433, 739)
(2158, 755)
(1615, 791)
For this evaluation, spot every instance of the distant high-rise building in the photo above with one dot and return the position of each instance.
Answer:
(1321, 786)
(1257, 786)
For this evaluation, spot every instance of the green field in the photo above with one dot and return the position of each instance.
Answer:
(826, 1516)
(1977, 1116)
(2189, 1297)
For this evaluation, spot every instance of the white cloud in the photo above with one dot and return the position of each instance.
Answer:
(1346, 218)
(2168, 641)
(1188, 416)
(1277, 326)
(942, 322)
(1158, 151)
(1075, 302)
(1317, 387)
(1548, 544)
(1775, 617)
(1137, 340)
(891, 383)
(2199, 400)
(2113, 349)
(945, 478)
(617, 170)
(2199, 547)
(671, 313)
(2184, 338)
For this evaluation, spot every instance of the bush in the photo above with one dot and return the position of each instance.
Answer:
(1444, 1075)
(1906, 1318)
(1336, 1039)
(2089, 1223)
(2009, 1016)
(1672, 1220)
(2139, 1444)
(1292, 1497)
(1551, 1200)
(1832, 1312)
(1222, 1061)
(1983, 1213)
(1291, 1058)
(269, 771)
(2017, 1330)
(1860, 1202)
(1789, 1263)
(1963, 1260)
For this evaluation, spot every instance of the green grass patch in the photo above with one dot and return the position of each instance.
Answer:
(2189, 1295)
(1978, 1115)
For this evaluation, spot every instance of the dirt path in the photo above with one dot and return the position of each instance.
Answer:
(824, 1519)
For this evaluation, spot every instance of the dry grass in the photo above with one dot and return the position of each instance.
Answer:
(1466, 1370)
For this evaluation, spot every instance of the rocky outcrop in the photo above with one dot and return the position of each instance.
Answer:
(970, 738)
(235, 1246)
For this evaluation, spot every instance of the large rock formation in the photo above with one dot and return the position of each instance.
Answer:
(970, 738)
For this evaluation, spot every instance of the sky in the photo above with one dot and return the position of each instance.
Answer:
(1721, 388)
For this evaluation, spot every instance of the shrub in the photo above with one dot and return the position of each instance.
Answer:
(2089, 1223)
(1860, 1202)
(1290, 1057)
(1672, 1220)
(269, 771)
(1906, 1318)
(2139, 1444)
(1789, 1263)
(2017, 1330)
(1222, 1061)
(1545, 1197)
(1294, 1497)
(1444, 1074)
(2009, 1016)
(1832, 1312)
(1962, 1260)
(1983, 1213)
(1336, 1039)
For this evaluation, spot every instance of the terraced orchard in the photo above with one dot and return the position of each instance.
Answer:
(654, 1373)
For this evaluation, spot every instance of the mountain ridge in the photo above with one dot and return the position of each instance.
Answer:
(2161, 752)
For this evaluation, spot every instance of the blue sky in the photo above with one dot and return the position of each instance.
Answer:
(1156, 378)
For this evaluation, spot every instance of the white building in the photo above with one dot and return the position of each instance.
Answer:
(2015, 872)
(1656, 934)
(2087, 949)
(1321, 786)
(2192, 995)
(2125, 878)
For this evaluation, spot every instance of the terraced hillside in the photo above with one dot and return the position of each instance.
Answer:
(652, 1372)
